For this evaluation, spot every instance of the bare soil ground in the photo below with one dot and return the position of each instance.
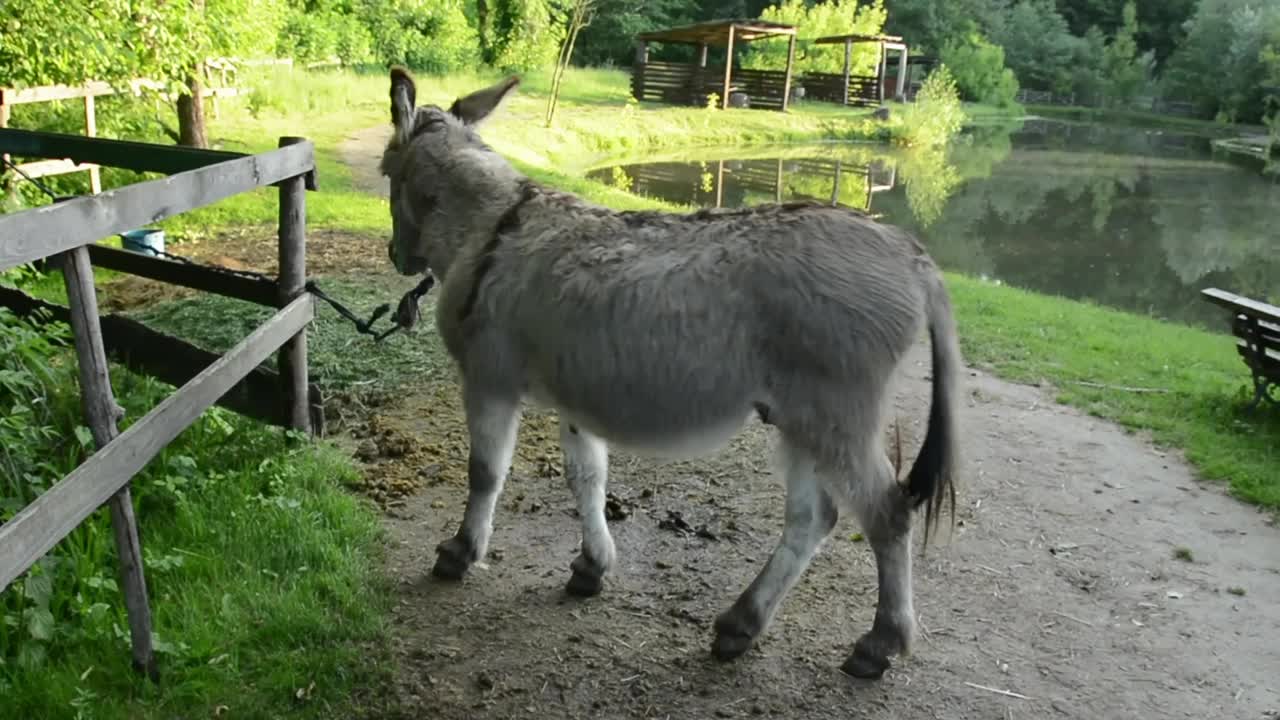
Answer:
(1089, 576)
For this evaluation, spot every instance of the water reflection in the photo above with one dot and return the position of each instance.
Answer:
(722, 182)
(1132, 218)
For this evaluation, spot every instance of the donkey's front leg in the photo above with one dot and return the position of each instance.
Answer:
(492, 421)
(586, 467)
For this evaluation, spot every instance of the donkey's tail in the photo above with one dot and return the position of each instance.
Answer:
(932, 476)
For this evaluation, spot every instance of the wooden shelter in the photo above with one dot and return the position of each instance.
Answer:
(846, 88)
(690, 84)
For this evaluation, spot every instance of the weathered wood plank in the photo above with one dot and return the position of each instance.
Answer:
(39, 526)
(46, 168)
(256, 290)
(292, 248)
(1239, 303)
(174, 360)
(101, 412)
(142, 157)
(39, 232)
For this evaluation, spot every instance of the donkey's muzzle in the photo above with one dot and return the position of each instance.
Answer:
(411, 265)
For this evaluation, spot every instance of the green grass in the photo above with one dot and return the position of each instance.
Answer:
(263, 571)
(340, 360)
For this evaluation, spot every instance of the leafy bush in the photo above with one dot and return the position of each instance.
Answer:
(937, 114)
(978, 69)
(435, 37)
(320, 36)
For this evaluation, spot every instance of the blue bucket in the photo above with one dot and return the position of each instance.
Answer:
(145, 241)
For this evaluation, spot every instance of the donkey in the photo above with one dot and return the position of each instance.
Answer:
(663, 334)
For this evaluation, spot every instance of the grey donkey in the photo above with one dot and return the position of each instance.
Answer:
(663, 334)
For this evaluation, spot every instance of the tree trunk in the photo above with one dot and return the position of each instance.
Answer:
(191, 130)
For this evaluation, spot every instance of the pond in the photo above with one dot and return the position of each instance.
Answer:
(1126, 217)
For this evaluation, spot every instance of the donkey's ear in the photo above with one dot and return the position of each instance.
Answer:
(403, 96)
(477, 106)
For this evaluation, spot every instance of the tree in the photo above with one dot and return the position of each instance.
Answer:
(610, 38)
(1220, 65)
(1125, 71)
(578, 17)
(836, 17)
(979, 71)
(1038, 45)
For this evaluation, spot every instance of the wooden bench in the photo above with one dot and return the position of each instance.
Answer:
(1257, 325)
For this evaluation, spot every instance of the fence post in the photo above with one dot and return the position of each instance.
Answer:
(101, 412)
(292, 279)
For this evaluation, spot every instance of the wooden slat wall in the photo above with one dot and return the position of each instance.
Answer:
(685, 84)
(829, 87)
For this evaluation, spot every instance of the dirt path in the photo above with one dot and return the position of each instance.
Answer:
(1060, 583)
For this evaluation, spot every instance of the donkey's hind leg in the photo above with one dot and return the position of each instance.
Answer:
(885, 512)
(586, 467)
(810, 516)
(492, 421)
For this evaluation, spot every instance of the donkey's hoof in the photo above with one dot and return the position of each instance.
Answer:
(453, 558)
(733, 637)
(865, 665)
(731, 646)
(587, 579)
(584, 585)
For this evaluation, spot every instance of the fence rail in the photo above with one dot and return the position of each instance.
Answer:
(68, 230)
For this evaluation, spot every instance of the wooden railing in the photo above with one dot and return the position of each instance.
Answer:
(67, 231)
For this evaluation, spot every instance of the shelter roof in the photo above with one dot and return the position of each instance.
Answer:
(829, 39)
(716, 32)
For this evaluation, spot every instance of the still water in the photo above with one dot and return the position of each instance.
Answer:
(1131, 218)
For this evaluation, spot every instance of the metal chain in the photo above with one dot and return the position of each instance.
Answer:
(404, 318)
(5, 159)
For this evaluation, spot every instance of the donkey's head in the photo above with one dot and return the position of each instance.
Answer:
(445, 182)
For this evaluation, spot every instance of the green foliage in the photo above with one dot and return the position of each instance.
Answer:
(1222, 62)
(837, 17)
(979, 70)
(937, 112)
(1126, 73)
(519, 34)
(610, 38)
(319, 36)
(259, 565)
(1038, 46)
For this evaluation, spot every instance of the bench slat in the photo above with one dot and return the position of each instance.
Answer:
(1239, 303)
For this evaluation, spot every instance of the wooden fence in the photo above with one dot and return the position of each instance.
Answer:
(831, 87)
(689, 84)
(68, 231)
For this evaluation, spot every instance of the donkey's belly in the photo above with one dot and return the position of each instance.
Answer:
(675, 444)
(674, 430)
